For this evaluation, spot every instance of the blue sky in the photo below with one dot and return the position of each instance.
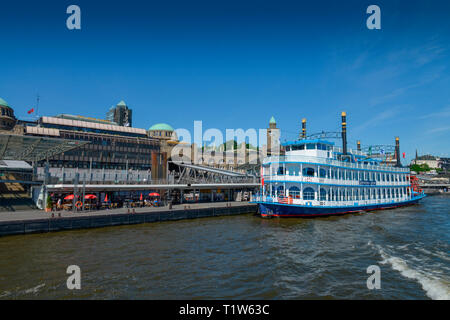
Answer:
(234, 64)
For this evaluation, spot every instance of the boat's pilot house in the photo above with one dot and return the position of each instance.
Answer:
(313, 148)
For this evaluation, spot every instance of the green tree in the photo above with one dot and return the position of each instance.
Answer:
(49, 202)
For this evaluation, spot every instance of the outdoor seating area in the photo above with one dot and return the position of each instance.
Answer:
(92, 202)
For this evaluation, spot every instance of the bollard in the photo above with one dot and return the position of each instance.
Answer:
(53, 215)
(59, 214)
(134, 211)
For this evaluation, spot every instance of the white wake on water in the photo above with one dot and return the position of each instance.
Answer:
(434, 287)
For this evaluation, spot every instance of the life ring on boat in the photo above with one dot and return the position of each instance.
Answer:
(78, 204)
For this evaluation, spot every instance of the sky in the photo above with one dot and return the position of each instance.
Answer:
(234, 64)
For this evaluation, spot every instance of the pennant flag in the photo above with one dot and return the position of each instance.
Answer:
(404, 155)
(31, 111)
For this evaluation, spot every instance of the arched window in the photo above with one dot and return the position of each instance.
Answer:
(280, 171)
(308, 193)
(280, 191)
(308, 172)
(323, 195)
(294, 192)
(322, 173)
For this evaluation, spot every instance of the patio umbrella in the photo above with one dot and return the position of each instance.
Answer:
(90, 196)
(69, 197)
(106, 198)
(140, 198)
(154, 194)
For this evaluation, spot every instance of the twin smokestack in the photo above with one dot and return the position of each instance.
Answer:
(358, 143)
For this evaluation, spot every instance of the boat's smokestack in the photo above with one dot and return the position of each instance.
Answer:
(304, 128)
(397, 151)
(344, 133)
(358, 145)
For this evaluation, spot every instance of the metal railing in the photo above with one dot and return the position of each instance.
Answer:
(327, 161)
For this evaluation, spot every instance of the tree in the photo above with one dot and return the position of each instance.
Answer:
(49, 202)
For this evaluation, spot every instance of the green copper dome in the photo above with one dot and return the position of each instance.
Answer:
(122, 104)
(272, 120)
(161, 126)
(4, 103)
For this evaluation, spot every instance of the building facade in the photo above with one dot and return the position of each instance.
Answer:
(7, 118)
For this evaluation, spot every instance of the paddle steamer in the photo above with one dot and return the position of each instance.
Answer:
(316, 178)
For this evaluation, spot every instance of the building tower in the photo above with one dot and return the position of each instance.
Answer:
(120, 114)
(273, 138)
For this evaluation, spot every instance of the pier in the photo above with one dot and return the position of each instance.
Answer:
(37, 221)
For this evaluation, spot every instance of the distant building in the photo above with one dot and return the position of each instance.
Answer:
(120, 114)
(7, 118)
(432, 161)
(162, 131)
(273, 138)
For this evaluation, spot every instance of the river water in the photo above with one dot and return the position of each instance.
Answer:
(240, 257)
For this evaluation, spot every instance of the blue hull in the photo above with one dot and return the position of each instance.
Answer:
(290, 210)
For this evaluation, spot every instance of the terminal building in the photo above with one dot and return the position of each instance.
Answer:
(109, 149)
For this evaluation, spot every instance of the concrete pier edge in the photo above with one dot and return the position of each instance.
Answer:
(44, 225)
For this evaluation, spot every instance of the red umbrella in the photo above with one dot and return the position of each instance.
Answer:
(90, 196)
(106, 198)
(140, 198)
(153, 194)
(69, 197)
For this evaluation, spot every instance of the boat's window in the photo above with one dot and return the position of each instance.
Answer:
(280, 171)
(310, 146)
(294, 170)
(308, 194)
(308, 172)
(322, 173)
(294, 192)
(323, 195)
(280, 190)
(302, 147)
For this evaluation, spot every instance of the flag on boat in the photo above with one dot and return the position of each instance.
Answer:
(31, 111)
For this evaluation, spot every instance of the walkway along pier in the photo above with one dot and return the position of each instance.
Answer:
(36, 221)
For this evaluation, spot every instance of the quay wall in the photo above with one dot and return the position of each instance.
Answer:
(44, 225)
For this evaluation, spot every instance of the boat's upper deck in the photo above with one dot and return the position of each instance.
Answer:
(324, 152)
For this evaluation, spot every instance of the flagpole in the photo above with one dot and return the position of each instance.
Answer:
(37, 106)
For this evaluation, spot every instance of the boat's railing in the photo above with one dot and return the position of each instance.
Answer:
(327, 161)
(322, 202)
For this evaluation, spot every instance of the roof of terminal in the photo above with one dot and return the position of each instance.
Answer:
(4, 103)
(31, 148)
(161, 126)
